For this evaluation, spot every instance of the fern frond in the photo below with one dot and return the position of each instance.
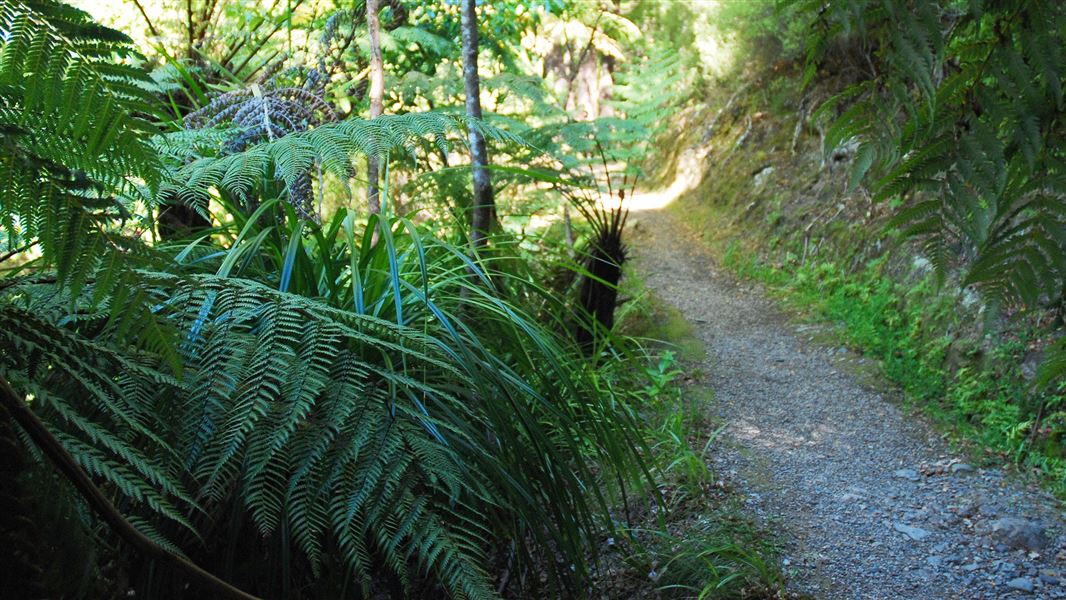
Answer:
(969, 134)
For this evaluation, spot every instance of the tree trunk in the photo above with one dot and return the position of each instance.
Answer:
(598, 293)
(484, 209)
(377, 94)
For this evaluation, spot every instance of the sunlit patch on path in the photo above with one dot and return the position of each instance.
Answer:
(686, 179)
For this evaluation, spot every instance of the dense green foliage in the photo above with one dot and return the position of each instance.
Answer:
(310, 401)
(314, 401)
(957, 119)
(355, 399)
(81, 99)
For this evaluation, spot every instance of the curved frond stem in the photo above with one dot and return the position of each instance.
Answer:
(16, 407)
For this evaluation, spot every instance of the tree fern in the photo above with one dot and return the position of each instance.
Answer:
(312, 380)
(62, 87)
(291, 157)
(275, 363)
(68, 201)
(107, 419)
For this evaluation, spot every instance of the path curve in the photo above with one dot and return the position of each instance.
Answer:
(863, 491)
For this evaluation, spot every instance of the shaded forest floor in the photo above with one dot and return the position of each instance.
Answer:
(870, 501)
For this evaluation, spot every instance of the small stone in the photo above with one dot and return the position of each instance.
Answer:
(1023, 584)
(1019, 533)
(759, 179)
(908, 474)
(970, 567)
(1006, 567)
(961, 468)
(934, 561)
(915, 533)
(1048, 579)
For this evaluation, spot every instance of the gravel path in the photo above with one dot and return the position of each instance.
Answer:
(871, 503)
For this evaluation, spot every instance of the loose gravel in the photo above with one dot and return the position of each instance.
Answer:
(869, 500)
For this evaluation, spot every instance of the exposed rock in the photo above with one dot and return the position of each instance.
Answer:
(1019, 533)
(969, 298)
(915, 533)
(988, 509)
(961, 468)
(1006, 567)
(1023, 584)
(761, 176)
(908, 474)
(921, 265)
(849, 498)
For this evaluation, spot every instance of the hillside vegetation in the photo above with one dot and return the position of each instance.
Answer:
(818, 169)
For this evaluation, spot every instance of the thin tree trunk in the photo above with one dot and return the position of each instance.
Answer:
(377, 94)
(190, 25)
(568, 227)
(484, 209)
